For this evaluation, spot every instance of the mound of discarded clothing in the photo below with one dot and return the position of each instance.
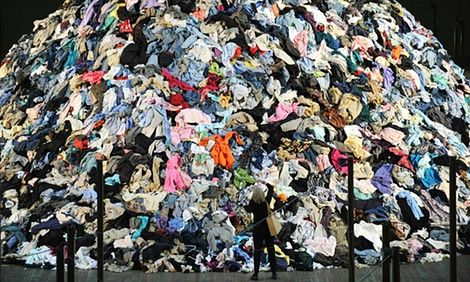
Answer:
(192, 104)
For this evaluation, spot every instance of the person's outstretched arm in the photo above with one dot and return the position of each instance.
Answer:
(270, 194)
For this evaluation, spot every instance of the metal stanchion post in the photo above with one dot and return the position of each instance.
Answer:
(71, 253)
(435, 19)
(386, 252)
(60, 263)
(456, 39)
(351, 218)
(99, 232)
(396, 264)
(453, 220)
(1, 249)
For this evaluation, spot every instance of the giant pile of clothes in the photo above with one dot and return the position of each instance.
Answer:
(192, 104)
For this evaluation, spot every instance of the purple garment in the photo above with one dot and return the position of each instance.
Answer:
(150, 4)
(309, 18)
(91, 12)
(382, 179)
(388, 77)
(105, 11)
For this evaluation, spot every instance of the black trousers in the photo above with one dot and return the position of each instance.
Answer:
(258, 240)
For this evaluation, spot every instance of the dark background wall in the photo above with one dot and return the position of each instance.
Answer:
(17, 16)
(450, 22)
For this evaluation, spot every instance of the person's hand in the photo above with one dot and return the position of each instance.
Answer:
(99, 156)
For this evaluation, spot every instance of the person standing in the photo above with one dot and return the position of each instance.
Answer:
(259, 205)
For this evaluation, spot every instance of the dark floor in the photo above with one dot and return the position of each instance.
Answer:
(428, 272)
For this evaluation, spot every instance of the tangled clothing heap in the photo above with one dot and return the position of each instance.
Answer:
(193, 103)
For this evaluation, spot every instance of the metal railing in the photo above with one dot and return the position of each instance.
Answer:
(393, 255)
(389, 255)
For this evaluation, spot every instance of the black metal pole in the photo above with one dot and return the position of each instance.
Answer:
(434, 10)
(60, 263)
(2, 39)
(453, 220)
(351, 218)
(71, 253)
(456, 40)
(396, 264)
(462, 38)
(1, 248)
(386, 252)
(99, 233)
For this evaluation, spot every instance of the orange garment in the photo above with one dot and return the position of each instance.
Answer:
(238, 53)
(200, 14)
(221, 152)
(282, 197)
(275, 9)
(98, 124)
(396, 52)
(334, 118)
(81, 143)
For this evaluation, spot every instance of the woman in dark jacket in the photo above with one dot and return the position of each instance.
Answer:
(259, 205)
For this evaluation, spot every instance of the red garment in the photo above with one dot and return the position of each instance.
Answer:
(212, 84)
(178, 100)
(238, 53)
(98, 124)
(213, 80)
(253, 50)
(339, 161)
(404, 161)
(81, 143)
(174, 82)
(93, 77)
(125, 27)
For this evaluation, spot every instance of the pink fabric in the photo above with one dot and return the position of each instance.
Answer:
(361, 43)
(392, 135)
(179, 134)
(160, 101)
(93, 77)
(322, 245)
(323, 162)
(282, 111)
(300, 42)
(192, 116)
(414, 246)
(174, 176)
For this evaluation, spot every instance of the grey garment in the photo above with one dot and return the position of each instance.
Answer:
(183, 202)
(221, 230)
(223, 234)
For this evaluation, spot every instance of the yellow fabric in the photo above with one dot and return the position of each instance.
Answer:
(354, 143)
(279, 253)
(335, 95)
(4, 70)
(224, 101)
(350, 107)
